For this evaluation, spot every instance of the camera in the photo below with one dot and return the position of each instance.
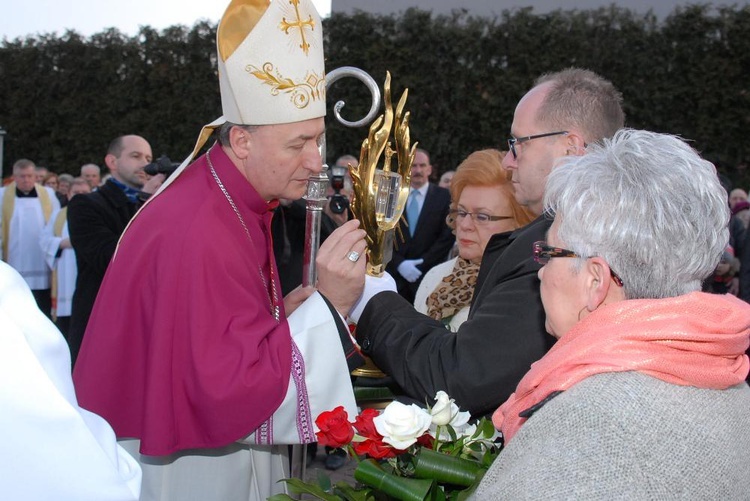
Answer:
(338, 203)
(161, 166)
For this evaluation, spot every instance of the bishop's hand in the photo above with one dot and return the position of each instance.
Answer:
(341, 266)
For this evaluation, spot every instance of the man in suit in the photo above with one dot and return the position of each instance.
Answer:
(427, 237)
(481, 364)
(97, 220)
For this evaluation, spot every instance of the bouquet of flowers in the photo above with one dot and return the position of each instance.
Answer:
(414, 453)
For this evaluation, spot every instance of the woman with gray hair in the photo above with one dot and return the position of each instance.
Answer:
(643, 396)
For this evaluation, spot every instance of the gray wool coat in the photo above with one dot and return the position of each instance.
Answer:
(629, 436)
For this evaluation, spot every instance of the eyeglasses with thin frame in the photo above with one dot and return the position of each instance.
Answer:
(513, 141)
(478, 217)
(543, 253)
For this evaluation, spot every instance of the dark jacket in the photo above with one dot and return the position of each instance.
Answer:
(95, 222)
(481, 364)
(432, 240)
(288, 232)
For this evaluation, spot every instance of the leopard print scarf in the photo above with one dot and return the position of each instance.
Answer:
(454, 291)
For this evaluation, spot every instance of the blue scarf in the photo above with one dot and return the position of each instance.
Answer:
(131, 193)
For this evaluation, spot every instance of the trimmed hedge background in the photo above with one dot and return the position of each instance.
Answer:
(63, 98)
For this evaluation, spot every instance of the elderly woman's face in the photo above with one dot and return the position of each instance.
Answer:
(562, 289)
(472, 234)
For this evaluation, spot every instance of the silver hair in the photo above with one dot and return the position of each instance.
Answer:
(227, 126)
(649, 205)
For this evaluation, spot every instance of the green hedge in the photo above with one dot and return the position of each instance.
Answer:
(64, 98)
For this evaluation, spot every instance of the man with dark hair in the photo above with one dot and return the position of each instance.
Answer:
(97, 220)
(481, 364)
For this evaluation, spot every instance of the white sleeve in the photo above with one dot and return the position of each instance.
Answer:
(51, 448)
(319, 380)
(373, 287)
(53, 198)
(49, 243)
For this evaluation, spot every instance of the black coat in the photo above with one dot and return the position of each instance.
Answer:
(432, 240)
(481, 364)
(288, 232)
(95, 223)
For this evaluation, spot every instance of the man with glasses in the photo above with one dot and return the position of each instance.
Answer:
(481, 364)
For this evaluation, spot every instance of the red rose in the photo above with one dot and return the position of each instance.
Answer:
(335, 428)
(374, 445)
(426, 440)
(364, 424)
(376, 449)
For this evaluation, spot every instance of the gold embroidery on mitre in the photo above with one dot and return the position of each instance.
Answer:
(312, 88)
(285, 26)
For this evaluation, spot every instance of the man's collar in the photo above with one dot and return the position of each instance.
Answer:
(29, 194)
(423, 189)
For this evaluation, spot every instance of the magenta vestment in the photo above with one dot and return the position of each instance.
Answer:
(182, 350)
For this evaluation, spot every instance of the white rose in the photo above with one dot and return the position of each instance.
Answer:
(459, 419)
(469, 431)
(442, 411)
(401, 424)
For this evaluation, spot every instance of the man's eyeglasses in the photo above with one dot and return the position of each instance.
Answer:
(543, 253)
(513, 141)
(477, 217)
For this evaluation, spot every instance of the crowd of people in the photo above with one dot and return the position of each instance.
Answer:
(557, 286)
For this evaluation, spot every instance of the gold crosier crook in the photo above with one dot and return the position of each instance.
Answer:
(379, 194)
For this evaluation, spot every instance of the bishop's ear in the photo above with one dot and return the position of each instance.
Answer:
(239, 141)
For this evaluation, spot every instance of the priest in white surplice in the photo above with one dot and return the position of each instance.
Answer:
(61, 259)
(50, 448)
(191, 351)
(26, 208)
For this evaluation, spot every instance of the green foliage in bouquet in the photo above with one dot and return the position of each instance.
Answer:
(405, 453)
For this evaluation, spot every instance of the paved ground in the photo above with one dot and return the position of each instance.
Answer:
(346, 472)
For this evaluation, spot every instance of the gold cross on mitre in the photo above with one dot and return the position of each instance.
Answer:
(299, 23)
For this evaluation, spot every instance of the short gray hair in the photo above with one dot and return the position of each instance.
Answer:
(99, 169)
(226, 127)
(649, 205)
(23, 164)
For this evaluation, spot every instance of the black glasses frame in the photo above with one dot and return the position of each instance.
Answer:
(543, 253)
(453, 216)
(513, 141)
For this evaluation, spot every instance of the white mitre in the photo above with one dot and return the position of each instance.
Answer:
(271, 67)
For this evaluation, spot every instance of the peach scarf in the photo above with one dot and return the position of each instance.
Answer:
(693, 340)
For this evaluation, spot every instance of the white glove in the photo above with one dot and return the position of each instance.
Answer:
(409, 270)
(373, 286)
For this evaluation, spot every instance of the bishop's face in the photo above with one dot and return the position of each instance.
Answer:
(282, 157)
